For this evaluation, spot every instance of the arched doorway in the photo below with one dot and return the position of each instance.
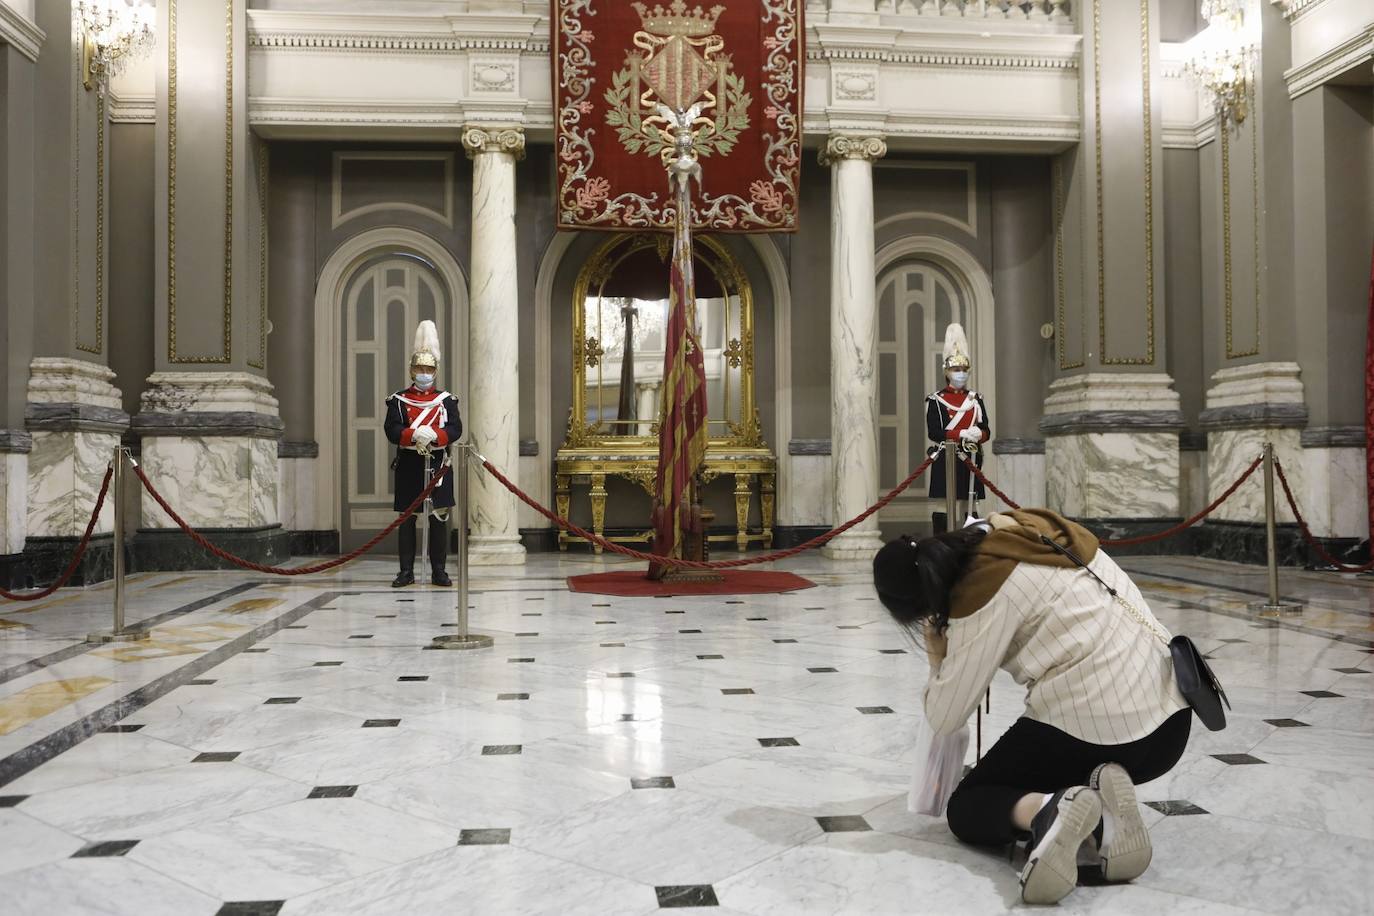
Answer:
(924, 284)
(372, 292)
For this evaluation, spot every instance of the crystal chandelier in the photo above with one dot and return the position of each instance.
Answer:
(112, 33)
(1221, 58)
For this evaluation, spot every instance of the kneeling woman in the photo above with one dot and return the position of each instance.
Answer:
(1103, 712)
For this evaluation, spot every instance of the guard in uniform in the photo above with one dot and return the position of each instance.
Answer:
(955, 412)
(421, 421)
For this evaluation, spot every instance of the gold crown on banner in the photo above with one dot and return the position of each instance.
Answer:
(675, 20)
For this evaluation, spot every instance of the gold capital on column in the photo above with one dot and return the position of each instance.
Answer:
(494, 140)
(845, 146)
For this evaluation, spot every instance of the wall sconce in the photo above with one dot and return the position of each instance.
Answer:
(1221, 58)
(112, 33)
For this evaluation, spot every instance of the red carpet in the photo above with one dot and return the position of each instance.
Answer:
(633, 584)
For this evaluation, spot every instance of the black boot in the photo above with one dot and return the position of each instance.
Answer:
(438, 551)
(406, 547)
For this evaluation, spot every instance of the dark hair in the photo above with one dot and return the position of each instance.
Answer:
(914, 578)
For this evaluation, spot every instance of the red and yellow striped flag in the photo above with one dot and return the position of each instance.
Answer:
(682, 422)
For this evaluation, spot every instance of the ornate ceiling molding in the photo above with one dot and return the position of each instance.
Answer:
(1355, 50)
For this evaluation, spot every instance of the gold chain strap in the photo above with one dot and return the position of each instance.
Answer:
(1141, 618)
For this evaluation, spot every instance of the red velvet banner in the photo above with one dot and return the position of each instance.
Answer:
(616, 63)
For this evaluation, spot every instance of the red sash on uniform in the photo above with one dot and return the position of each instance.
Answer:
(964, 412)
(423, 408)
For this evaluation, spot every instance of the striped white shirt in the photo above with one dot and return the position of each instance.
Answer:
(1089, 668)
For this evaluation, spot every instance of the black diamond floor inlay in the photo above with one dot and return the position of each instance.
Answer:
(843, 823)
(381, 723)
(784, 640)
(1353, 670)
(385, 616)
(1321, 694)
(326, 664)
(849, 626)
(512, 696)
(297, 626)
(501, 750)
(612, 645)
(257, 651)
(122, 728)
(652, 782)
(487, 836)
(412, 678)
(104, 849)
(628, 717)
(824, 670)
(674, 612)
(200, 682)
(9, 801)
(332, 792)
(1175, 807)
(893, 651)
(736, 691)
(531, 614)
(1287, 723)
(756, 618)
(874, 710)
(620, 674)
(778, 742)
(527, 634)
(519, 661)
(682, 895)
(689, 631)
(1237, 759)
(705, 658)
(215, 757)
(251, 908)
(605, 622)
(361, 636)
(1233, 639)
(281, 701)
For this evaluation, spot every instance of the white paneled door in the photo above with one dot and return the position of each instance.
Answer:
(917, 300)
(383, 301)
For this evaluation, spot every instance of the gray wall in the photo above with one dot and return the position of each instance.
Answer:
(808, 265)
(16, 233)
(1183, 278)
(130, 257)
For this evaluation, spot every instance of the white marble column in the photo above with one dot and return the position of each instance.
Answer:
(493, 411)
(853, 342)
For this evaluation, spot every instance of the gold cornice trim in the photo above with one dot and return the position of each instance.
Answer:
(1149, 357)
(172, 355)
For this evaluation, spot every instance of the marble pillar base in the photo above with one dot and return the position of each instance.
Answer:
(1332, 499)
(1244, 542)
(45, 558)
(495, 550)
(296, 493)
(1021, 475)
(1111, 446)
(808, 490)
(853, 545)
(210, 448)
(321, 543)
(75, 417)
(538, 540)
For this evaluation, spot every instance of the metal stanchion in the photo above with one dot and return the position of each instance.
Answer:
(118, 633)
(1274, 606)
(462, 639)
(951, 488)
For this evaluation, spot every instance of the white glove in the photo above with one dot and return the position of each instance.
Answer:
(972, 434)
(423, 437)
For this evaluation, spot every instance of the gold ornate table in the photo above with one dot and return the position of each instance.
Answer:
(753, 469)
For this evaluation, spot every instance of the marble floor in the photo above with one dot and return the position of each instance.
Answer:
(295, 746)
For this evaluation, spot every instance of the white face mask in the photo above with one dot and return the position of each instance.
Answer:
(424, 380)
(958, 379)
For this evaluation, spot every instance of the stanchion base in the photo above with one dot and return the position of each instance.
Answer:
(1272, 611)
(126, 636)
(454, 641)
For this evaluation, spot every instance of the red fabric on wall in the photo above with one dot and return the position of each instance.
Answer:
(751, 159)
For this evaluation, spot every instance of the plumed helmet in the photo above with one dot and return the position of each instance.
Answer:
(956, 348)
(426, 349)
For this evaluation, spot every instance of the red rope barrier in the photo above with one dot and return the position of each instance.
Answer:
(281, 570)
(816, 541)
(1307, 532)
(1146, 538)
(80, 547)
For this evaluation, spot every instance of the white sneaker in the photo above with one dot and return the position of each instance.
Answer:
(1057, 831)
(1125, 850)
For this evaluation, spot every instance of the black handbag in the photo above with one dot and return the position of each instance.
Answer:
(1193, 675)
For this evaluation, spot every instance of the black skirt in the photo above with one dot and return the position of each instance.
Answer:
(411, 479)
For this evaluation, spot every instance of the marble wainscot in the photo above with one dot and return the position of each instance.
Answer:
(803, 514)
(1021, 473)
(1111, 453)
(74, 417)
(296, 499)
(15, 445)
(210, 446)
(1247, 406)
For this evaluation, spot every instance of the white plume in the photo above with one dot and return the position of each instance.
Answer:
(956, 344)
(427, 339)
